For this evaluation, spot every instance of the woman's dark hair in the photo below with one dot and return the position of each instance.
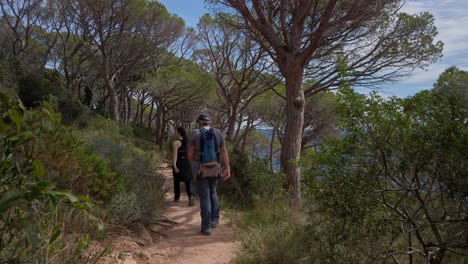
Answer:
(183, 134)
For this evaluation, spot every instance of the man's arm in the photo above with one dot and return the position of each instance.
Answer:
(225, 157)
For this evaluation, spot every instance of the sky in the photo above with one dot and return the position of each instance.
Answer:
(451, 20)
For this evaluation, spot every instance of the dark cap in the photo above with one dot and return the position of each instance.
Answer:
(204, 117)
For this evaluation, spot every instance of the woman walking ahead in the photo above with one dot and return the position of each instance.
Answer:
(181, 166)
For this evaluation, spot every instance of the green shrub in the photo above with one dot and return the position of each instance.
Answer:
(144, 137)
(125, 208)
(72, 111)
(74, 167)
(265, 212)
(395, 182)
(271, 229)
(31, 224)
(34, 88)
(137, 166)
(273, 244)
(251, 180)
(8, 80)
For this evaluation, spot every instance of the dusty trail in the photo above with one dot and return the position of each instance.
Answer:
(179, 242)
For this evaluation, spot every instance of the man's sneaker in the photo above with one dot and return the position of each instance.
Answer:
(206, 232)
(214, 225)
(191, 201)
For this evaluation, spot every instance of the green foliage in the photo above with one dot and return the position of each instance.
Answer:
(251, 180)
(419, 32)
(34, 88)
(270, 227)
(72, 111)
(453, 80)
(140, 136)
(125, 208)
(136, 166)
(8, 79)
(377, 184)
(257, 144)
(30, 221)
(72, 166)
(273, 245)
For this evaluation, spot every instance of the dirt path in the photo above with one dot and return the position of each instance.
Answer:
(179, 242)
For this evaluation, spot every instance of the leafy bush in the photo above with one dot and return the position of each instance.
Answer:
(8, 80)
(136, 165)
(33, 88)
(71, 166)
(395, 186)
(270, 227)
(125, 208)
(72, 111)
(251, 180)
(272, 232)
(141, 137)
(273, 245)
(31, 224)
(392, 189)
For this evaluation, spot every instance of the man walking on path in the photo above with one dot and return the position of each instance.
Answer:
(206, 184)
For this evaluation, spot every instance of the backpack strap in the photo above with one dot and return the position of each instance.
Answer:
(217, 151)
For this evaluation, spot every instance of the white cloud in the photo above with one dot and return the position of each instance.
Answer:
(429, 75)
(453, 33)
(451, 19)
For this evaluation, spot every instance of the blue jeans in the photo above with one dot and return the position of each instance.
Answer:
(209, 202)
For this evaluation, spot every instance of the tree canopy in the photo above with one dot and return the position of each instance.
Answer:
(331, 44)
(453, 80)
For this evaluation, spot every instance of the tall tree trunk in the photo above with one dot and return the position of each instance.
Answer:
(137, 110)
(150, 117)
(238, 129)
(123, 105)
(158, 126)
(246, 133)
(291, 145)
(129, 106)
(410, 244)
(272, 144)
(163, 129)
(66, 73)
(110, 84)
(114, 102)
(143, 110)
(231, 124)
(154, 118)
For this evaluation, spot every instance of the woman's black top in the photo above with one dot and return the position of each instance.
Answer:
(182, 162)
